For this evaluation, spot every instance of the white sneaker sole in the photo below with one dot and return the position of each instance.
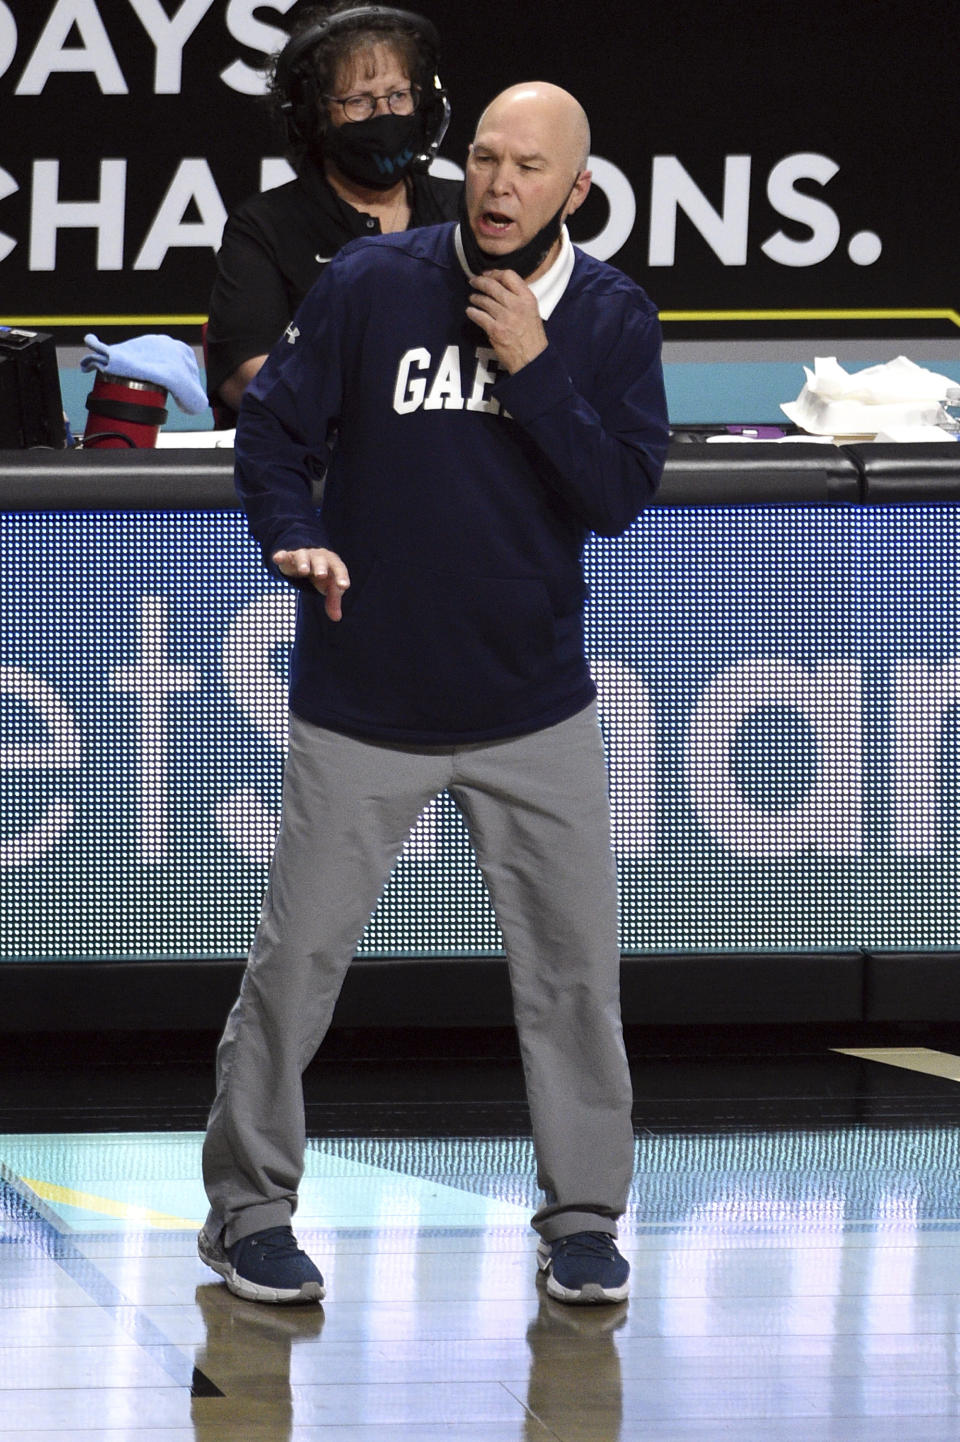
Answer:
(213, 1256)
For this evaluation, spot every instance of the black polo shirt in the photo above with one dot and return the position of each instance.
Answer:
(275, 246)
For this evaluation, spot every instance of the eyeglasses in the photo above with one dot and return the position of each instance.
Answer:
(361, 107)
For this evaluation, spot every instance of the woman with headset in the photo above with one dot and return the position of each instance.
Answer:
(365, 113)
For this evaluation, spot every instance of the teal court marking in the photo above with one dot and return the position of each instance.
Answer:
(149, 1183)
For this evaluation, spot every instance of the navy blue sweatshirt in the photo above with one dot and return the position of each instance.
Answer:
(458, 496)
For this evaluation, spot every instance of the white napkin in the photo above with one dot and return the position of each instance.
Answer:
(898, 393)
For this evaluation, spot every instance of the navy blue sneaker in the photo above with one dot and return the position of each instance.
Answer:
(267, 1266)
(584, 1268)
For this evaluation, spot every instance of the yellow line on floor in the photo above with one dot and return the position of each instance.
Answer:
(910, 1058)
(106, 1206)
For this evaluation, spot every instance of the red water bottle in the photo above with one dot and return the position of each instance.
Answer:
(123, 413)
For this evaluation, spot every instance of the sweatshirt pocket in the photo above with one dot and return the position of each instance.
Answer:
(442, 651)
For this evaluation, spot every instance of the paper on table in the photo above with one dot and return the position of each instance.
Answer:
(903, 434)
(194, 440)
(898, 393)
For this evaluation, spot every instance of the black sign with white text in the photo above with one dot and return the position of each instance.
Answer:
(761, 170)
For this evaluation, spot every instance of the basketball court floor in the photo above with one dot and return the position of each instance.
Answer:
(794, 1232)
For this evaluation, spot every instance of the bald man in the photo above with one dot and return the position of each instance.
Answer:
(496, 396)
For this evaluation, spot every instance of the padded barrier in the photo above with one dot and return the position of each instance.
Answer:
(202, 479)
(696, 474)
(891, 473)
(741, 474)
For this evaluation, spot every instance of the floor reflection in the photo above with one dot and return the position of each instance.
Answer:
(246, 1355)
(575, 1387)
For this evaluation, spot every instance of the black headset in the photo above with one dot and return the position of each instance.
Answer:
(295, 81)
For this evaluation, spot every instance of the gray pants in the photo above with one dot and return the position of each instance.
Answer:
(537, 811)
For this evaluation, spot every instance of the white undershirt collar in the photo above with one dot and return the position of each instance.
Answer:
(550, 286)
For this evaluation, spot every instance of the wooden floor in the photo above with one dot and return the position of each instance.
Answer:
(794, 1232)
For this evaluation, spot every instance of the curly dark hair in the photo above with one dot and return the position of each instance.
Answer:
(321, 64)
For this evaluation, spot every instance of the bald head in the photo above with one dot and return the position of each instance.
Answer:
(550, 108)
(526, 172)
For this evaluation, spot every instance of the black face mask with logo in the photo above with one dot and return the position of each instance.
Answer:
(525, 259)
(377, 152)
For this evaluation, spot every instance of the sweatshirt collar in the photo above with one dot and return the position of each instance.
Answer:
(549, 288)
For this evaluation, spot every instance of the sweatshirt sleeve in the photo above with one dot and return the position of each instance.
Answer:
(286, 425)
(606, 449)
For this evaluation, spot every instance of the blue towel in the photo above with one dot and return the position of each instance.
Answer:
(158, 359)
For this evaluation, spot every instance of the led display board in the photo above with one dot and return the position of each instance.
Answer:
(779, 688)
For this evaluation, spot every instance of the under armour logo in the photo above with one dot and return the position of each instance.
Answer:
(291, 333)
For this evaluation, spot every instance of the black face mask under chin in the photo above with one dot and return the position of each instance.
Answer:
(377, 152)
(525, 259)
